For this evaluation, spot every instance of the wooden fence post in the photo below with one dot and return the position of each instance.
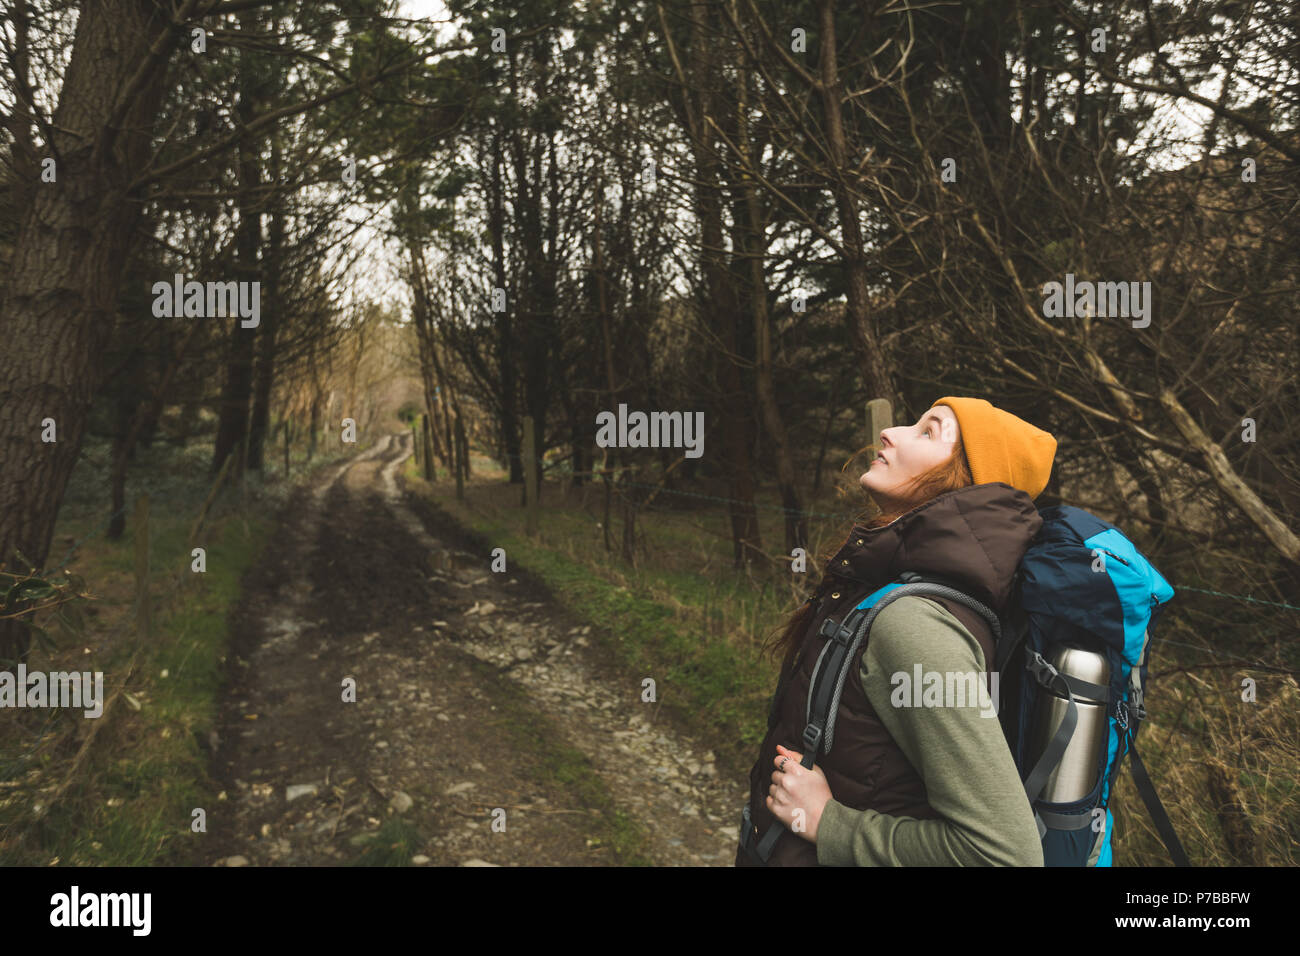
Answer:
(460, 462)
(207, 502)
(430, 460)
(143, 622)
(464, 447)
(530, 475)
(880, 415)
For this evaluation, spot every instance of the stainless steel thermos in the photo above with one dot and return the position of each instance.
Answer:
(1076, 774)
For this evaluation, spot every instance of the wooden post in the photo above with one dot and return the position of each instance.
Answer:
(464, 447)
(530, 475)
(880, 415)
(430, 459)
(207, 502)
(241, 471)
(606, 468)
(143, 621)
(629, 513)
(460, 463)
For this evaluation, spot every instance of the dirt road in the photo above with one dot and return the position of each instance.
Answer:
(486, 730)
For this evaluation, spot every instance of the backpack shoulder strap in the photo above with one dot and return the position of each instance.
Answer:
(830, 672)
(827, 685)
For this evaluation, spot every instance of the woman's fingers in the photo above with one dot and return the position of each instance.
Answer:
(784, 753)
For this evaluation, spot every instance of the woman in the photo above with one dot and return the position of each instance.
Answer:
(905, 785)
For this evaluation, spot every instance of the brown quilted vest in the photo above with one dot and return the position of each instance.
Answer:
(974, 537)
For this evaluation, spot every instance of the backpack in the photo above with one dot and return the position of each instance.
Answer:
(1081, 585)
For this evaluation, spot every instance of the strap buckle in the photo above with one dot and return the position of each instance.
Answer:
(1042, 671)
(836, 630)
(749, 837)
(812, 738)
(747, 829)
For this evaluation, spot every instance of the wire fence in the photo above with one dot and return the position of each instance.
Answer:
(615, 474)
(800, 513)
(618, 482)
(138, 616)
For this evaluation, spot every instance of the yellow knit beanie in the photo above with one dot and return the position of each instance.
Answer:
(1001, 447)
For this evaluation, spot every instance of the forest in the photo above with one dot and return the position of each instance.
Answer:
(326, 327)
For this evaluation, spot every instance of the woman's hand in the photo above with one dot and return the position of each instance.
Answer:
(797, 789)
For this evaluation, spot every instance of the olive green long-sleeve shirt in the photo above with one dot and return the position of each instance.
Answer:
(970, 776)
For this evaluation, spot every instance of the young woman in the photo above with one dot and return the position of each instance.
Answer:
(908, 785)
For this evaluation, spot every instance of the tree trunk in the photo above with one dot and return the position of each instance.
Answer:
(232, 427)
(432, 449)
(71, 244)
(446, 395)
(723, 308)
(124, 417)
(505, 338)
(861, 324)
(270, 316)
(751, 236)
(315, 425)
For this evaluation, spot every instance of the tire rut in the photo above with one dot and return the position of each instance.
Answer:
(485, 731)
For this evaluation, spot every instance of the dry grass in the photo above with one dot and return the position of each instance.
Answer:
(1226, 770)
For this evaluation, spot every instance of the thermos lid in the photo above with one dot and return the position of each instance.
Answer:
(1085, 665)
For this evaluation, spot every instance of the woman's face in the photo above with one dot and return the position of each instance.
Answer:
(908, 451)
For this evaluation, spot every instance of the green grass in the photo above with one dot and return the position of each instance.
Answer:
(696, 635)
(393, 844)
(133, 800)
(684, 617)
(531, 733)
(130, 803)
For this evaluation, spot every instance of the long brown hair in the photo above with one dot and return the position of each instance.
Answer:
(949, 475)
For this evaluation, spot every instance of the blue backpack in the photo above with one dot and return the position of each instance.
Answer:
(1081, 584)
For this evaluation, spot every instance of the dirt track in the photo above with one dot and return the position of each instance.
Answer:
(477, 703)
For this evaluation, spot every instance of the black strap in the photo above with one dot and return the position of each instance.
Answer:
(1041, 669)
(759, 850)
(1146, 789)
(1129, 718)
(1014, 632)
(1054, 750)
(821, 692)
(823, 712)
